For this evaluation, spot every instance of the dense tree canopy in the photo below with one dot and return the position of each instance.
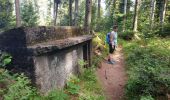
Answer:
(130, 15)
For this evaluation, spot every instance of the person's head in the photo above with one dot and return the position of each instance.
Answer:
(115, 28)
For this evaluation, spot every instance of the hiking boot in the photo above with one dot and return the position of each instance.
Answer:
(111, 62)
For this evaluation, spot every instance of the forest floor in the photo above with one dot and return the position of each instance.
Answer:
(113, 77)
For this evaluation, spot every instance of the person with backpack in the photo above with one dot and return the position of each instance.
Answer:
(111, 39)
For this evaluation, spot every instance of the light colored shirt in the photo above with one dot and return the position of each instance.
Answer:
(114, 41)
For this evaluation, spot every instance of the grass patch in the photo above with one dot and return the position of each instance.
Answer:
(82, 87)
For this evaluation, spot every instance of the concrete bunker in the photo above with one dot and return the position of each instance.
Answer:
(47, 55)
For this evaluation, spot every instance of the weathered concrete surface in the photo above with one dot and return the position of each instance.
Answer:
(53, 70)
(32, 35)
(41, 34)
(58, 60)
(49, 46)
(47, 55)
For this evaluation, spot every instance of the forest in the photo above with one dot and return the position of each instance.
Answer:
(143, 46)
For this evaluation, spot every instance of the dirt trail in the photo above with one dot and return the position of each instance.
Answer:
(113, 77)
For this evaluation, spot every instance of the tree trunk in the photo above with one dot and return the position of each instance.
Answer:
(99, 3)
(17, 10)
(88, 16)
(124, 12)
(135, 19)
(152, 14)
(113, 9)
(128, 6)
(125, 6)
(36, 5)
(162, 11)
(76, 13)
(56, 3)
(70, 12)
(55, 17)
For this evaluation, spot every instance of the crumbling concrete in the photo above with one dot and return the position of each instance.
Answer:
(47, 55)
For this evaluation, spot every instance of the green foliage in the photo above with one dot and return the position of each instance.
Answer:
(63, 13)
(89, 75)
(103, 24)
(127, 35)
(99, 41)
(96, 60)
(48, 17)
(5, 59)
(164, 31)
(89, 89)
(148, 68)
(5, 80)
(6, 17)
(20, 89)
(89, 96)
(29, 14)
(94, 15)
(81, 63)
(72, 86)
(146, 98)
(56, 95)
(65, 20)
(13, 86)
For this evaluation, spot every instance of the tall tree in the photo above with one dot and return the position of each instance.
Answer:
(162, 11)
(17, 10)
(88, 16)
(152, 13)
(36, 5)
(76, 12)
(56, 3)
(29, 14)
(70, 12)
(128, 6)
(5, 14)
(99, 6)
(124, 12)
(135, 19)
(48, 16)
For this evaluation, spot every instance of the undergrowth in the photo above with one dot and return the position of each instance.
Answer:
(100, 43)
(18, 87)
(148, 66)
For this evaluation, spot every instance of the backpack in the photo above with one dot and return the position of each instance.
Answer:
(108, 38)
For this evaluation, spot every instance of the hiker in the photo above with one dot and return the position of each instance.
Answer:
(112, 41)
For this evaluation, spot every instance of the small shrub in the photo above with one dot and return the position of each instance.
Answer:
(148, 69)
(164, 31)
(147, 98)
(91, 97)
(73, 86)
(20, 89)
(89, 75)
(127, 35)
(82, 65)
(29, 14)
(5, 59)
(56, 95)
(89, 87)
